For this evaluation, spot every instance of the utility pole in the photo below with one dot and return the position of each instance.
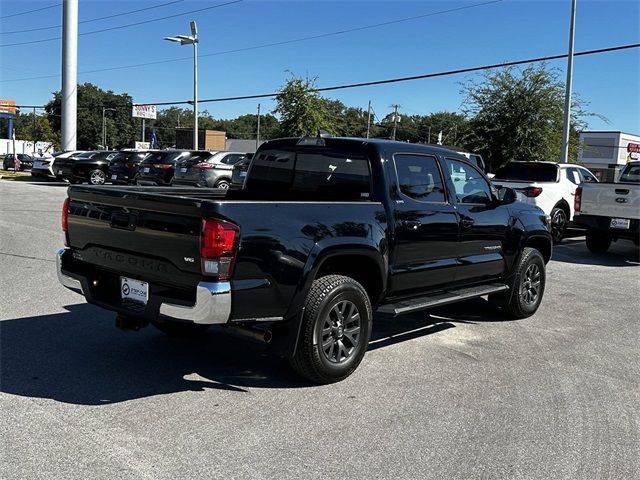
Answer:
(142, 140)
(368, 118)
(429, 137)
(69, 74)
(258, 134)
(34, 131)
(395, 120)
(564, 158)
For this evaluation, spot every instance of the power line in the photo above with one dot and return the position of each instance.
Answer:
(30, 11)
(92, 32)
(95, 19)
(265, 45)
(414, 77)
(400, 79)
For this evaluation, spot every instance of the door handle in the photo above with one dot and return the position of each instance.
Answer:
(467, 222)
(412, 224)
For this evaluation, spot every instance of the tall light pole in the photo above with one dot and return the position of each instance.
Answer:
(69, 74)
(191, 40)
(104, 130)
(566, 125)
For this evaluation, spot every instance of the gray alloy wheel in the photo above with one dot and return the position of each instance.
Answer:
(223, 184)
(559, 222)
(530, 286)
(97, 177)
(335, 329)
(341, 332)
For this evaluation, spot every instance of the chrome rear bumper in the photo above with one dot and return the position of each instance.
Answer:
(213, 300)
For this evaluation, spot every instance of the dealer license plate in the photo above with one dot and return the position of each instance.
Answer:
(620, 223)
(134, 290)
(37, 165)
(145, 170)
(114, 177)
(183, 170)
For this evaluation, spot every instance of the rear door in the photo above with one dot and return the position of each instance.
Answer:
(426, 225)
(483, 223)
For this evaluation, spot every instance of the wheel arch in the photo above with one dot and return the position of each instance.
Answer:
(541, 243)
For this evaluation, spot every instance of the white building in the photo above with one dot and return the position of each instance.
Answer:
(605, 153)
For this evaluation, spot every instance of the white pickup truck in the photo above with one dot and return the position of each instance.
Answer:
(550, 186)
(610, 211)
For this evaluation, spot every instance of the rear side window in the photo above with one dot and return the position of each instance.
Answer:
(528, 172)
(232, 158)
(573, 176)
(326, 175)
(419, 177)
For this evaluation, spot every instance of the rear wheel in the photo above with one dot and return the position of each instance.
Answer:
(598, 242)
(223, 184)
(559, 220)
(97, 177)
(180, 329)
(335, 331)
(528, 286)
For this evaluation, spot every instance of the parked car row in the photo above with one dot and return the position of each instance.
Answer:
(198, 168)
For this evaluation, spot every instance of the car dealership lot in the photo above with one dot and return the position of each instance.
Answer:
(457, 393)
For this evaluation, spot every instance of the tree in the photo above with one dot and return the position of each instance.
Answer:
(517, 115)
(121, 129)
(302, 110)
(35, 127)
(455, 128)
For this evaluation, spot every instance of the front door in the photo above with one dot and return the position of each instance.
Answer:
(426, 226)
(483, 224)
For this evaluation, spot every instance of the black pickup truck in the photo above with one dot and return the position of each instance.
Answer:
(324, 232)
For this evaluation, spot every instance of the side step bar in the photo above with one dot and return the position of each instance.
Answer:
(440, 298)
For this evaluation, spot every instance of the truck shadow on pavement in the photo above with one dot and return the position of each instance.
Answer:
(79, 356)
(622, 253)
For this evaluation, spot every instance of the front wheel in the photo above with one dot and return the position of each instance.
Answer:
(335, 332)
(528, 286)
(97, 177)
(598, 242)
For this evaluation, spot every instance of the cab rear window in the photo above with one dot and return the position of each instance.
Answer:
(315, 174)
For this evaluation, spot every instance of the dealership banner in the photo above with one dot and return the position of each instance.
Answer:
(144, 111)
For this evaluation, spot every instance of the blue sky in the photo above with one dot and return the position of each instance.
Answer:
(502, 31)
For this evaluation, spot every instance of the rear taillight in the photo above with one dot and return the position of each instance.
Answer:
(65, 221)
(162, 166)
(218, 245)
(577, 201)
(532, 191)
(205, 166)
(129, 164)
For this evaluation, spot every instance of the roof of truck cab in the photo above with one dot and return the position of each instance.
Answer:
(378, 143)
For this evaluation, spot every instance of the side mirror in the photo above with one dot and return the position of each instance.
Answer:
(506, 195)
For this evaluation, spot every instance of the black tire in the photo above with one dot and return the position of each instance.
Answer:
(330, 348)
(97, 177)
(598, 242)
(527, 288)
(180, 329)
(559, 221)
(223, 184)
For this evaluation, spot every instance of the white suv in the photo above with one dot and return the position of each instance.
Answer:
(550, 186)
(43, 167)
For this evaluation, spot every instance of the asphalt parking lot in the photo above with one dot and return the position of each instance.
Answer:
(458, 392)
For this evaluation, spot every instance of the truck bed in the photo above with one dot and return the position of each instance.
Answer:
(113, 230)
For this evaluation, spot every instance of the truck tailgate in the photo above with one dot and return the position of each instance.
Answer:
(151, 234)
(616, 200)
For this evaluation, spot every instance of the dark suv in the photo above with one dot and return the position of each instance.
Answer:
(125, 166)
(26, 161)
(91, 167)
(159, 168)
